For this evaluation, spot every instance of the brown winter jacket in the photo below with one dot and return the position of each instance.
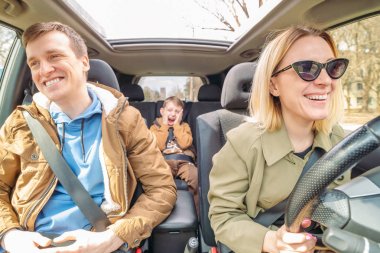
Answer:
(182, 133)
(27, 182)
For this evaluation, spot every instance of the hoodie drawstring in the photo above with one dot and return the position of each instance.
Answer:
(81, 139)
(82, 142)
(63, 136)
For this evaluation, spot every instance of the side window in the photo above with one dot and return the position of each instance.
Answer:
(160, 87)
(7, 37)
(359, 42)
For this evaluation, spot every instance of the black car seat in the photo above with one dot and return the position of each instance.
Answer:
(173, 233)
(211, 130)
(136, 98)
(101, 72)
(208, 101)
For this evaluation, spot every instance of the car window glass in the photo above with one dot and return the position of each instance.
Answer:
(359, 42)
(160, 87)
(7, 37)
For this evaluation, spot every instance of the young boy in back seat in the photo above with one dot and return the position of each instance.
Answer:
(175, 140)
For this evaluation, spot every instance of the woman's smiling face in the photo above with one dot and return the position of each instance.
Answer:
(303, 101)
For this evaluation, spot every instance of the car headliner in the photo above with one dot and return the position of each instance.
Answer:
(184, 57)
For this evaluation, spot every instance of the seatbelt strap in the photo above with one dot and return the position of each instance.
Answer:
(170, 135)
(66, 176)
(272, 214)
(28, 98)
(179, 157)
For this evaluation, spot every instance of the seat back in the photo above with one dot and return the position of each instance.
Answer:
(237, 88)
(101, 72)
(208, 101)
(133, 92)
(135, 95)
(212, 128)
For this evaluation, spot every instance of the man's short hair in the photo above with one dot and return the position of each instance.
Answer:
(39, 29)
(175, 100)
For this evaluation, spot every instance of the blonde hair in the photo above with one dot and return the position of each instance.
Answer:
(264, 107)
(175, 100)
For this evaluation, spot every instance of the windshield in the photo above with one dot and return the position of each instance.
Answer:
(221, 20)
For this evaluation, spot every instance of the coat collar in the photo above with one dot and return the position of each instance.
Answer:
(276, 145)
(107, 97)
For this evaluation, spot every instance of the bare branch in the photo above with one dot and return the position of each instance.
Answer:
(216, 29)
(231, 9)
(236, 16)
(217, 15)
(243, 6)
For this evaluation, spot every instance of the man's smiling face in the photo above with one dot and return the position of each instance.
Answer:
(56, 70)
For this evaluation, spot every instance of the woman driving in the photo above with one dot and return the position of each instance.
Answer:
(296, 104)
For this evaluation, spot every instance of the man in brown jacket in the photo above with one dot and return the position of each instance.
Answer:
(175, 140)
(105, 142)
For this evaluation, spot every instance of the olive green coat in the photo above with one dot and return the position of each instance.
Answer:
(251, 173)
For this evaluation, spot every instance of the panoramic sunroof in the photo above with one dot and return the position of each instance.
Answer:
(220, 20)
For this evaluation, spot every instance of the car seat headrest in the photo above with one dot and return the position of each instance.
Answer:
(101, 72)
(237, 86)
(133, 92)
(209, 92)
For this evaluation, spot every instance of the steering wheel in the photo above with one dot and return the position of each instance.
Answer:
(346, 210)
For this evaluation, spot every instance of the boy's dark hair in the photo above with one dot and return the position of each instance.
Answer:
(175, 100)
(37, 30)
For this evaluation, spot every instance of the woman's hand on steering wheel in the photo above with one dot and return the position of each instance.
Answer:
(284, 241)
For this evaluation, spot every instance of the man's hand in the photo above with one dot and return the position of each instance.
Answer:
(86, 241)
(17, 241)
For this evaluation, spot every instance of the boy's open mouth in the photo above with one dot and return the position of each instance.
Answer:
(171, 121)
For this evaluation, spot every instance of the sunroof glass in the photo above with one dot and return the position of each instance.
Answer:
(184, 19)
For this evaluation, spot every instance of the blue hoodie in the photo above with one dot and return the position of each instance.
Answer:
(80, 140)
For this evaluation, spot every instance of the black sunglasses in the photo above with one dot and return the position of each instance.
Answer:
(310, 70)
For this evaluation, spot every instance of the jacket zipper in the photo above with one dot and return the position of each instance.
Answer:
(30, 211)
(126, 190)
(125, 164)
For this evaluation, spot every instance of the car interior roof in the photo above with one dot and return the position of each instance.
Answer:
(185, 58)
